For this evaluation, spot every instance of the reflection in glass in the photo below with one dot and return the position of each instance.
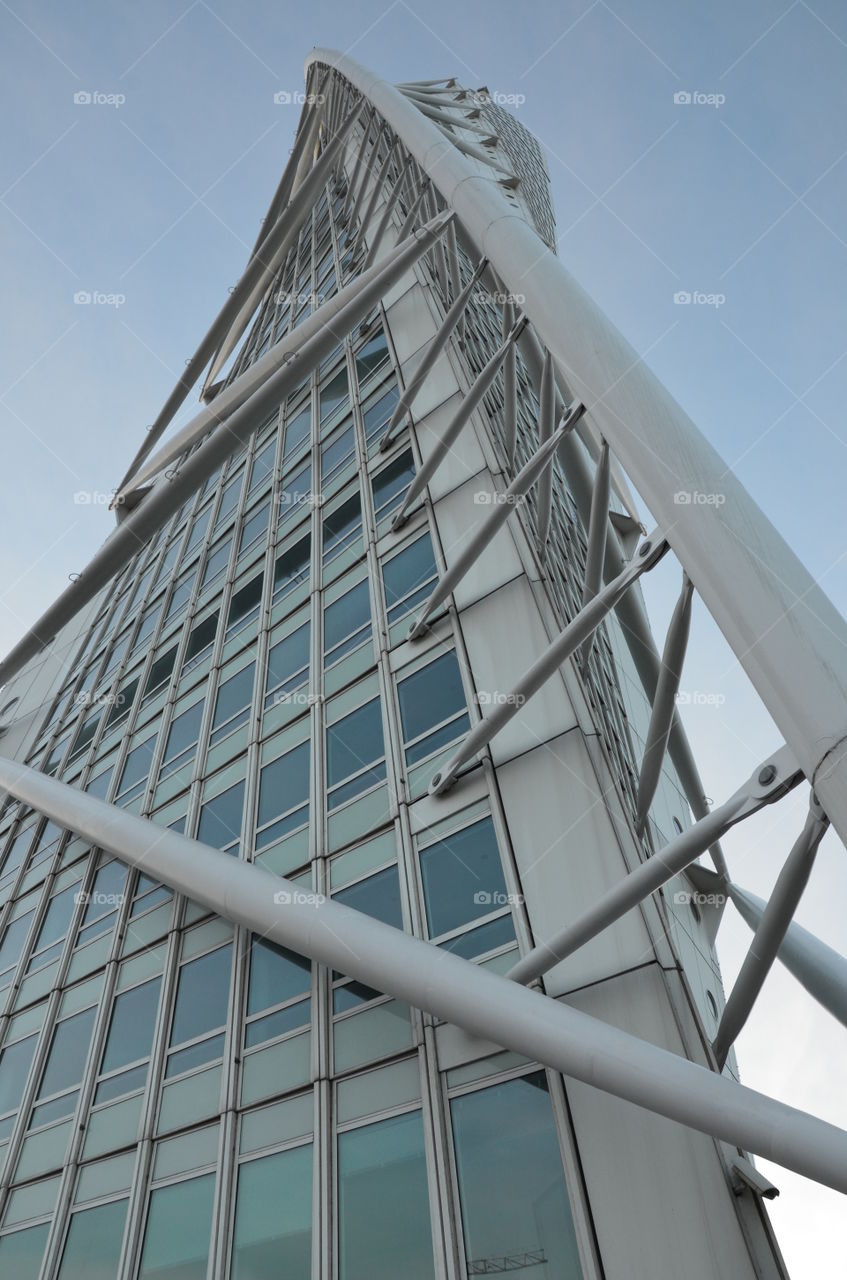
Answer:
(517, 1206)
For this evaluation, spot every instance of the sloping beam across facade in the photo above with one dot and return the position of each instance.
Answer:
(432, 979)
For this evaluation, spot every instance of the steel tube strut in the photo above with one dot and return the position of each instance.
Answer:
(510, 388)
(383, 222)
(817, 967)
(284, 235)
(255, 375)
(781, 774)
(429, 357)
(254, 277)
(771, 929)
(429, 978)
(545, 666)
(454, 428)
(775, 617)
(375, 194)
(546, 410)
(171, 492)
(664, 701)
(413, 210)
(597, 526)
(503, 507)
(357, 166)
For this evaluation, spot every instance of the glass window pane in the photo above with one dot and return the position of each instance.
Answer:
(378, 896)
(254, 527)
(245, 601)
(288, 662)
(390, 484)
(200, 638)
(93, 1247)
(15, 1062)
(383, 1202)
(408, 578)
(427, 698)
(22, 1251)
(297, 430)
(334, 393)
(373, 354)
(273, 1218)
(342, 526)
(234, 695)
(202, 995)
(131, 1029)
(68, 1052)
(296, 493)
(182, 737)
(220, 819)
(292, 567)
(276, 975)
(284, 794)
(462, 877)
(517, 1206)
(179, 1230)
(353, 743)
(57, 918)
(347, 622)
(378, 414)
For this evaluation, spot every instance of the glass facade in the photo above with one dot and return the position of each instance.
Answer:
(180, 1098)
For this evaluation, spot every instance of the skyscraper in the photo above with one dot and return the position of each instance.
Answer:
(355, 729)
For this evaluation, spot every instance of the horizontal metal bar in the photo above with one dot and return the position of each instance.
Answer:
(549, 662)
(172, 491)
(767, 784)
(455, 990)
(771, 930)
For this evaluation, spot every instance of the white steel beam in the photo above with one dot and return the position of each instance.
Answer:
(767, 784)
(771, 929)
(817, 967)
(549, 662)
(174, 488)
(430, 978)
(783, 629)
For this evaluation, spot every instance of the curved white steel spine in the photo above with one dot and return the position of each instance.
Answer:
(781, 626)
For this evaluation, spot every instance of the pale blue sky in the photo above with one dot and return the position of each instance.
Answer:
(159, 200)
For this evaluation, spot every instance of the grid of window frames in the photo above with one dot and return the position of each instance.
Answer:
(236, 684)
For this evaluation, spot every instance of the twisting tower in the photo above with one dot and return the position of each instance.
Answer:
(350, 851)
